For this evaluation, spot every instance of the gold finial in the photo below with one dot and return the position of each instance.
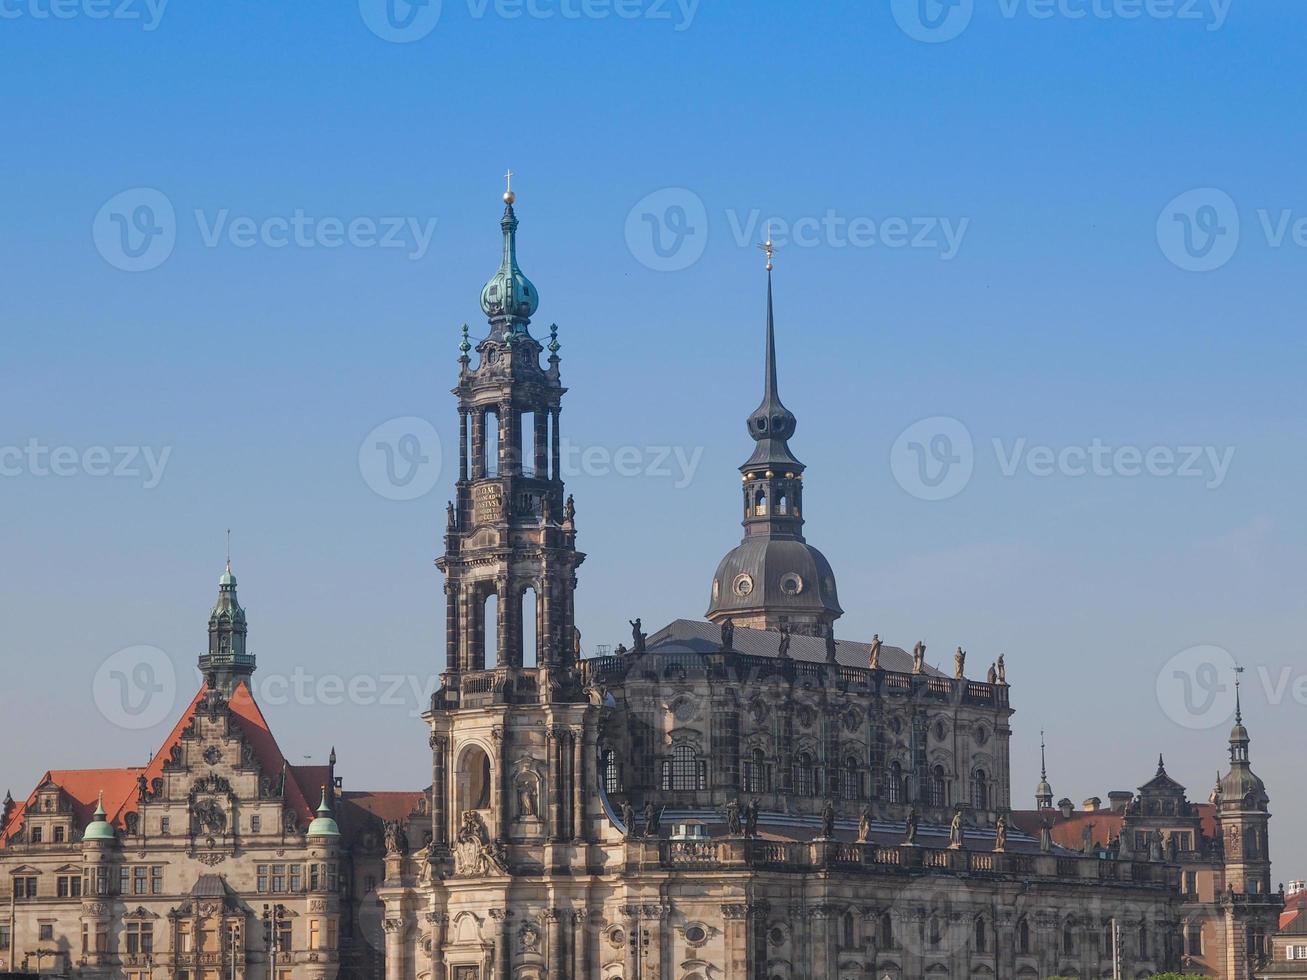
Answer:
(509, 196)
(768, 248)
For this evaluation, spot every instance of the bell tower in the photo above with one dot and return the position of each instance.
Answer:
(510, 543)
(226, 662)
(1251, 910)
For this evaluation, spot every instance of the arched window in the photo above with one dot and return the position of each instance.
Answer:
(850, 937)
(886, 931)
(684, 771)
(851, 784)
(612, 778)
(473, 777)
(805, 775)
(938, 787)
(933, 933)
(896, 793)
(1107, 939)
(1143, 940)
(981, 934)
(782, 503)
(1023, 937)
(760, 503)
(490, 442)
(1068, 938)
(980, 790)
(755, 773)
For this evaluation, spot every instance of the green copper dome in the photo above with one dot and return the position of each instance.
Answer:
(509, 293)
(99, 828)
(325, 824)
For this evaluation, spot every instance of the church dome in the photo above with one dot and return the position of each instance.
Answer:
(99, 828)
(784, 576)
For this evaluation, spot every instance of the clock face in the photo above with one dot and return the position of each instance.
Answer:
(743, 585)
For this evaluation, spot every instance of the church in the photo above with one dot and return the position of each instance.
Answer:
(741, 796)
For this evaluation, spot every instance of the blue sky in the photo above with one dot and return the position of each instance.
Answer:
(988, 230)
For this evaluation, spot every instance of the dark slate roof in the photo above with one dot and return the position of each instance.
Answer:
(695, 636)
(211, 886)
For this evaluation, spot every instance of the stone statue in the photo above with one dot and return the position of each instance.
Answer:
(637, 637)
(728, 633)
(1000, 835)
(864, 825)
(919, 658)
(1154, 846)
(449, 515)
(733, 825)
(875, 652)
(785, 641)
(960, 664)
(828, 820)
(569, 511)
(1002, 670)
(528, 801)
(955, 831)
(991, 676)
(628, 820)
(910, 827)
(1087, 839)
(1045, 837)
(396, 837)
(652, 819)
(429, 859)
(751, 819)
(1171, 847)
(830, 644)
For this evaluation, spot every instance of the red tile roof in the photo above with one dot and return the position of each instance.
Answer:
(83, 786)
(1069, 831)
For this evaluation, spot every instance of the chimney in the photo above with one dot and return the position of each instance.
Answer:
(1092, 805)
(1119, 799)
(1066, 807)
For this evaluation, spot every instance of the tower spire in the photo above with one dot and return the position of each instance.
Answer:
(226, 660)
(509, 299)
(774, 579)
(1044, 791)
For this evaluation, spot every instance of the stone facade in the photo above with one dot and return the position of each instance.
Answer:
(746, 798)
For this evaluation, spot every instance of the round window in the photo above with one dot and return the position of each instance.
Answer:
(791, 584)
(743, 584)
(696, 935)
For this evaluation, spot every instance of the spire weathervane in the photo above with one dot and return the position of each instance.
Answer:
(768, 248)
(1043, 766)
(1238, 704)
(509, 196)
(229, 549)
